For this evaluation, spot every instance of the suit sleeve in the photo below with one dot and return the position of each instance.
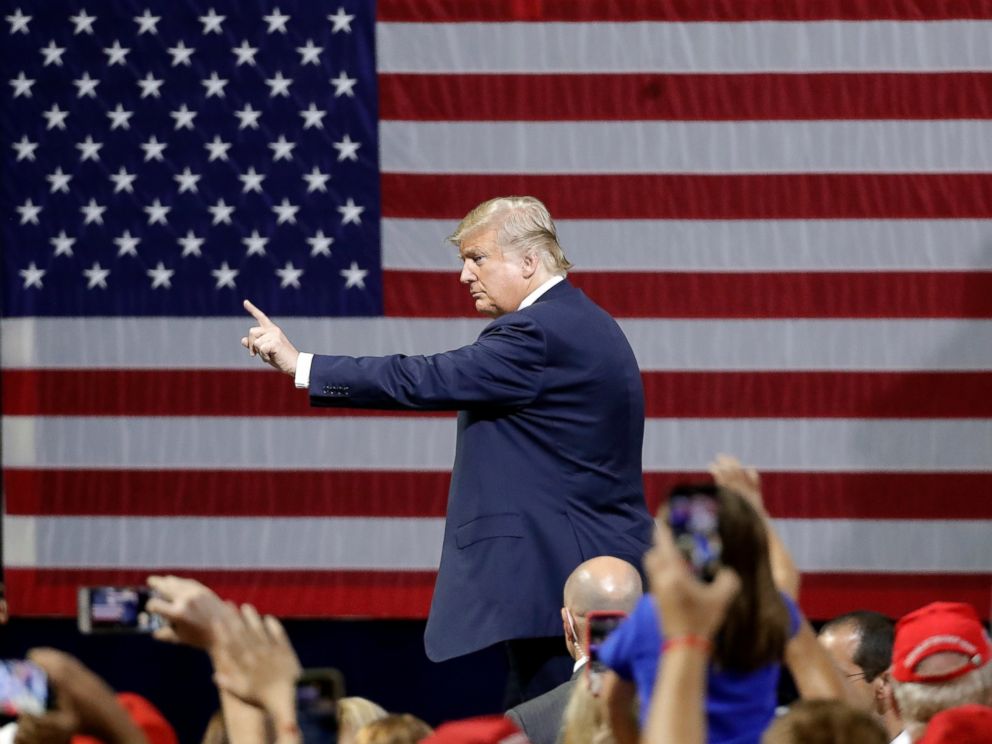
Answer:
(504, 367)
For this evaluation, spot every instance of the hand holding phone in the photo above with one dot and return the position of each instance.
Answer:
(599, 625)
(694, 521)
(116, 609)
(23, 689)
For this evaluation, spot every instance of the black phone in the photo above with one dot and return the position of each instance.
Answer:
(599, 625)
(693, 516)
(23, 689)
(116, 609)
(317, 695)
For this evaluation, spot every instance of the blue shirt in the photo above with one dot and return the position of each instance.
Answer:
(739, 705)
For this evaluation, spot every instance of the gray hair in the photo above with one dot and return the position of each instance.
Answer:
(920, 701)
(522, 223)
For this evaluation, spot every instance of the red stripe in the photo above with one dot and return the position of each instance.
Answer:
(217, 493)
(956, 95)
(32, 592)
(957, 294)
(824, 596)
(459, 11)
(712, 197)
(49, 392)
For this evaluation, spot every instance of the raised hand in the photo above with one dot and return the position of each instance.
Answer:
(728, 472)
(190, 609)
(269, 342)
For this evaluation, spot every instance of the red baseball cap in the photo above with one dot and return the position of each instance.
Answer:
(481, 730)
(968, 724)
(939, 627)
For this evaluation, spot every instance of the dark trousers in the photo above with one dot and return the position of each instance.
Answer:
(536, 665)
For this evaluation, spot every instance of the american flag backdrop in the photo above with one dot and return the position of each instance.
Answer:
(787, 205)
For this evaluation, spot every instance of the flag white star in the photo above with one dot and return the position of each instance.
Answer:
(248, 117)
(18, 22)
(156, 213)
(86, 86)
(289, 276)
(252, 181)
(127, 244)
(181, 54)
(225, 276)
(255, 244)
(344, 85)
(279, 85)
(320, 244)
(285, 212)
(153, 149)
(53, 54)
(55, 117)
(123, 180)
(313, 117)
(245, 53)
(214, 85)
(342, 21)
(96, 276)
(160, 276)
(150, 86)
(187, 180)
(218, 149)
(62, 244)
(184, 117)
(29, 212)
(22, 85)
(92, 212)
(32, 275)
(276, 21)
(211, 22)
(59, 180)
(347, 149)
(83, 23)
(351, 212)
(281, 149)
(309, 53)
(147, 22)
(116, 54)
(354, 276)
(88, 149)
(221, 212)
(316, 181)
(191, 244)
(119, 118)
(25, 148)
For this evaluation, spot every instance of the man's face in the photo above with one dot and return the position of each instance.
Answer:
(842, 643)
(495, 279)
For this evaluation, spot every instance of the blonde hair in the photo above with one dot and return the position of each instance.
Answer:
(355, 712)
(825, 722)
(396, 728)
(918, 702)
(522, 223)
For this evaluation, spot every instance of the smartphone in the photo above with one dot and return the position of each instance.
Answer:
(599, 625)
(693, 516)
(317, 695)
(23, 689)
(116, 609)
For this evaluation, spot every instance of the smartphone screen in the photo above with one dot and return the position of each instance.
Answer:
(317, 695)
(116, 609)
(599, 625)
(692, 516)
(23, 688)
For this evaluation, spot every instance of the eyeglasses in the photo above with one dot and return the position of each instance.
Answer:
(856, 675)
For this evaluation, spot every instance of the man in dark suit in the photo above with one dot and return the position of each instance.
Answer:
(602, 584)
(547, 469)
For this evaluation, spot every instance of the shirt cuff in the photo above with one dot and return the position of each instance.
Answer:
(303, 362)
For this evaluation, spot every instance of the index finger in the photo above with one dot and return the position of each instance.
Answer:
(257, 314)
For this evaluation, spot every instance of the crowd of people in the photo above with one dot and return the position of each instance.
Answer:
(695, 661)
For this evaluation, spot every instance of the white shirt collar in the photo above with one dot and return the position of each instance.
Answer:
(532, 297)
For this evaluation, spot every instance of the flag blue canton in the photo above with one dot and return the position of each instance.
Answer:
(172, 159)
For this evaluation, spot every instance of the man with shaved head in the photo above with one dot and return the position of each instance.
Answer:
(602, 584)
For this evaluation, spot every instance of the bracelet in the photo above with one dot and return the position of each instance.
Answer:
(692, 641)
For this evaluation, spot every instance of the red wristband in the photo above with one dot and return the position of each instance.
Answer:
(692, 641)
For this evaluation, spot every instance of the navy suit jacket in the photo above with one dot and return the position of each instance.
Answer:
(547, 469)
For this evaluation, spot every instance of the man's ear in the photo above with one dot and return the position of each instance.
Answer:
(529, 264)
(885, 698)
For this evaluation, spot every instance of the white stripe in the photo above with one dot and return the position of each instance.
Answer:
(725, 245)
(781, 345)
(329, 543)
(418, 443)
(335, 543)
(766, 46)
(941, 145)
